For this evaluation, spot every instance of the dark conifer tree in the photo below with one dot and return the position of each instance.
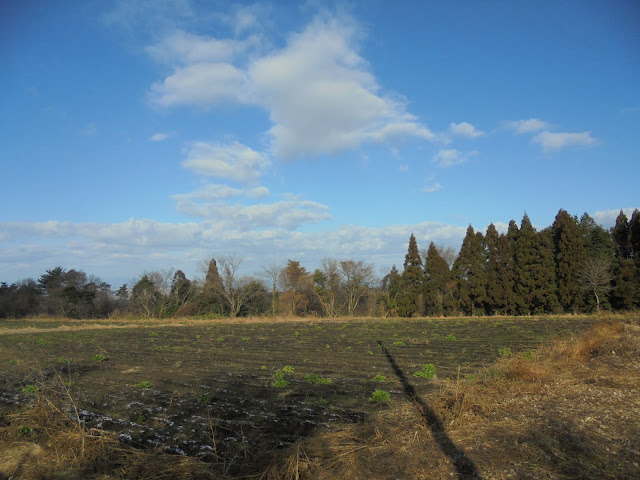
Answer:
(634, 235)
(621, 234)
(570, 256)
(469, 269)
(437, 278)
(625, 289)
(409, 301)
(535, 271)
(500, 273)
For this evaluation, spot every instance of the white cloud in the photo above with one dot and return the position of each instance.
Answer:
(200, 84)
(210, 192)
(452, 157)
(233, 161)
(557, 141)
(434, 187)
(403, 168)
(527, 126)
(465, 129)
(89, 130)
(318, 91)
(158, 137)
(607, 218)
(288, 214)
(183, 48)
(258, 192)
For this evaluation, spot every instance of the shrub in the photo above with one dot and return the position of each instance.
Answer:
(99, 358)
(380, 396)
(317, 379)
(504, 352)
(144, 385)
(379, 378)
(428, 371)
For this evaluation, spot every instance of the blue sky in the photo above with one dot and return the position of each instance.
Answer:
(143, 135)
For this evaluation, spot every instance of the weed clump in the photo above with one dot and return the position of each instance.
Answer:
(380, 396)
(428, 371)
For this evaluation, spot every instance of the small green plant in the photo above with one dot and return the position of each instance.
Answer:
(158, 348)
(42, 342)
(428, 371)
(263, 367)
(30, 389)
(399, 344)
(24, 430)
(469, 376)
(64, 361)
(380, 396)
(98, 358)
(321, 401)
(379, 378)
(144, 385)
(504, 352)
(14, 362)
(204, 399)
(198, 336)
(317, 379)
(528, 355)
(220, 339)
(154, 334)
(279, 378)
(141, 418)
(450, 337)
(245, 339)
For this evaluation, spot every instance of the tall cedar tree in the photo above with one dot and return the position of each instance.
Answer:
(625, 284)
(512, 239)
(437, 276)
(634, 239)
(621, 234)
(469, 269)
(570, 257)
(535, 271)
(409, 301)
(500, 275)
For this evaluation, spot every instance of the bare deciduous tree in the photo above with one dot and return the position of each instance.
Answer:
(595, 277)
(358, 277)
(236, 291)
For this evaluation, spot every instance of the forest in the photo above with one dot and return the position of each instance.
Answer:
(572, 266)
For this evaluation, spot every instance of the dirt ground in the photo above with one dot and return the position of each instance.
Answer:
(502, 405)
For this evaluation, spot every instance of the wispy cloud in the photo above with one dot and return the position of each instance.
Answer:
(158, 137)
(89, 129)
(527, 126)
(607, 218)
(452, 157)
(551, 141)
(434, 187)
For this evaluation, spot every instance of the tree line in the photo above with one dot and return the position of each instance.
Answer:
(575, 265)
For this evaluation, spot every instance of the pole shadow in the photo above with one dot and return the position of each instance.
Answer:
(464, 466)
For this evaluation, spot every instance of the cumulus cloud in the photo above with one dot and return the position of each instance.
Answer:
(557, 141)
(466, 130)
(452, 157)
(232, 161)
(607, 218)
(527, 126)
(318, 91)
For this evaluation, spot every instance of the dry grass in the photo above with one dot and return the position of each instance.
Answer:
(567, 410)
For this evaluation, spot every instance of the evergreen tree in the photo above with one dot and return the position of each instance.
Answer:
(625, 286)
(409, 301)
(535, 271)
(469, 269)
(437, 278)
(634, 236)
(621, 234)
(500, 273)
(570, 257)
(600, 249)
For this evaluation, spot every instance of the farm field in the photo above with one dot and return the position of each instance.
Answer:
(232, 393)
